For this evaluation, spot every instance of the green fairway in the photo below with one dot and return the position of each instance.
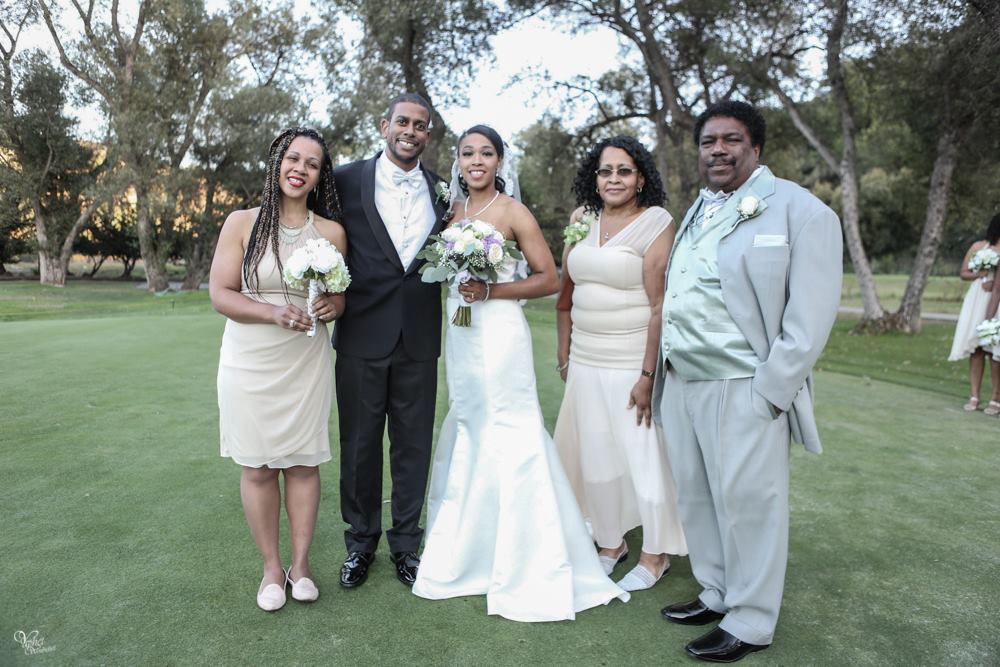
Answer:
(124, 541)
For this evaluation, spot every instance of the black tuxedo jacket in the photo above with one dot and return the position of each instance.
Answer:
(386, 301)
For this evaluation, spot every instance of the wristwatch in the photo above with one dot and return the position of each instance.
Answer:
(647, 374)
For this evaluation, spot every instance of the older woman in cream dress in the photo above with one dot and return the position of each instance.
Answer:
(609, 329)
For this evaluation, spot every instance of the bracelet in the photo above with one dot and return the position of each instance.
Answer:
(560, 369)
(647, 374)
(487, 292)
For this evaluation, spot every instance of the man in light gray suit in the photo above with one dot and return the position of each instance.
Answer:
(751, 295)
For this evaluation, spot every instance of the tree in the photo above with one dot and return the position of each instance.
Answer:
(545, 175)
(429, 47)
(45, 165)
(154, 82)
(929, 64)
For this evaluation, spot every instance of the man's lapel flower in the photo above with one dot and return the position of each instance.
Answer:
(748, 207)
(443, 193)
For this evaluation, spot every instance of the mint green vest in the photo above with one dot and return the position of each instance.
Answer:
(700, 339)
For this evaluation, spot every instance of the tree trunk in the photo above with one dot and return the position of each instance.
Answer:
(50, 270)
(198, 262)
(156, 274)
(908, 316)
(849, 169)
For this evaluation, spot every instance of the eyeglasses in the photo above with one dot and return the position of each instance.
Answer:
(623, 172)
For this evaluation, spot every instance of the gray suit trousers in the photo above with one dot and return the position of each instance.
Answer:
(730, 461)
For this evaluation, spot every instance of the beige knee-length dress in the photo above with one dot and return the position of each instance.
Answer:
(275, 385)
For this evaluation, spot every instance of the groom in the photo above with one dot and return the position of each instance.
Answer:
(388, 341)
(751, 295)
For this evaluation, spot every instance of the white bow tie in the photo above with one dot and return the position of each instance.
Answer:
(411, 178)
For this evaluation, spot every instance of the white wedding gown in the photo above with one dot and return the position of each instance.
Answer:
(502, 520)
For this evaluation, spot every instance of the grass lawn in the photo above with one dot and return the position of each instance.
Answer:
(124, 541)
(943, 294)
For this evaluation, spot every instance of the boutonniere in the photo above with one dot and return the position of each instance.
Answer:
(577, 230)
(443, 193)
(748, 207)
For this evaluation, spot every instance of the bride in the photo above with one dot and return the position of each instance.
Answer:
(502, 519)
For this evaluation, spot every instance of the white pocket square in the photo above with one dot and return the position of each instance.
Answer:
(766, 240)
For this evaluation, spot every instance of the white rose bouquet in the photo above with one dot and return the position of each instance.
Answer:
(320, 267)
(989, 332)
(984, 259)
(469, 249)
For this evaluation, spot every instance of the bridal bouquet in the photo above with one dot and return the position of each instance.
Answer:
(320, 267)
(989, 333)
(469, 249)
(984, 259)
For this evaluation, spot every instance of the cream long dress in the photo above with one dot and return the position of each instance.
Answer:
(275, 384)
(619, 471)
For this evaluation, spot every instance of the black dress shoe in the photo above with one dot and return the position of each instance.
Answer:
(406, 563)
(690, 613)
(355, 569)
(720, 646)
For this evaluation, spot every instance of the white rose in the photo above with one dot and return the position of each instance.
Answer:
(495, 254)
(499, 237)
(298, 263)
(325, 259)
(481, 228)
(451, 234)
(459, 246)
(468, 236)
(747, 206)
(478, 245)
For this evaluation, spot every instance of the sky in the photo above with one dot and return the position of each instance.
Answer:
(531, 46)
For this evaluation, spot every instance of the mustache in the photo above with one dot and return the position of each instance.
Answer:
(730, 162)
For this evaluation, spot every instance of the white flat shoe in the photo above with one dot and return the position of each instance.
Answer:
(609, 563)
(639, 578)
(303, 590)
(270, 597)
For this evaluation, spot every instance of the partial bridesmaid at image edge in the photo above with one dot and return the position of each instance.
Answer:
(974, 310)
(274, 381)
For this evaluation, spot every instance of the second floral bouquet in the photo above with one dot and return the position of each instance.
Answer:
(468, 250)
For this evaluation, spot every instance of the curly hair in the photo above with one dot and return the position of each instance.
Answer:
(585, 182)
(323, 200)
(741, 111)
(497, 142)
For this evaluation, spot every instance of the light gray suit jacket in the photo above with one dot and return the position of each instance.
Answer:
(783, 297)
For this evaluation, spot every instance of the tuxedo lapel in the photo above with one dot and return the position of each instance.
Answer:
(371, 212)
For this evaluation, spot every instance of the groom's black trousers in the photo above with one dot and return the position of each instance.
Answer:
(369, 391)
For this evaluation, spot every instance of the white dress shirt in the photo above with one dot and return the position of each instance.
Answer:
(406, 208)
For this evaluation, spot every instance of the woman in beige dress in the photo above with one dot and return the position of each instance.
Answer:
(275, 382)
(609, 330)
(974, 310)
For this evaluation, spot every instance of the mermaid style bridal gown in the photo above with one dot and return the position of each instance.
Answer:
(502, 518)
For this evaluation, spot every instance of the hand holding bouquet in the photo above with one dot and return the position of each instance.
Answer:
(319, 266)
(469, 249)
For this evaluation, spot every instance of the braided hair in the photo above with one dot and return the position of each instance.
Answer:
(323, 200)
